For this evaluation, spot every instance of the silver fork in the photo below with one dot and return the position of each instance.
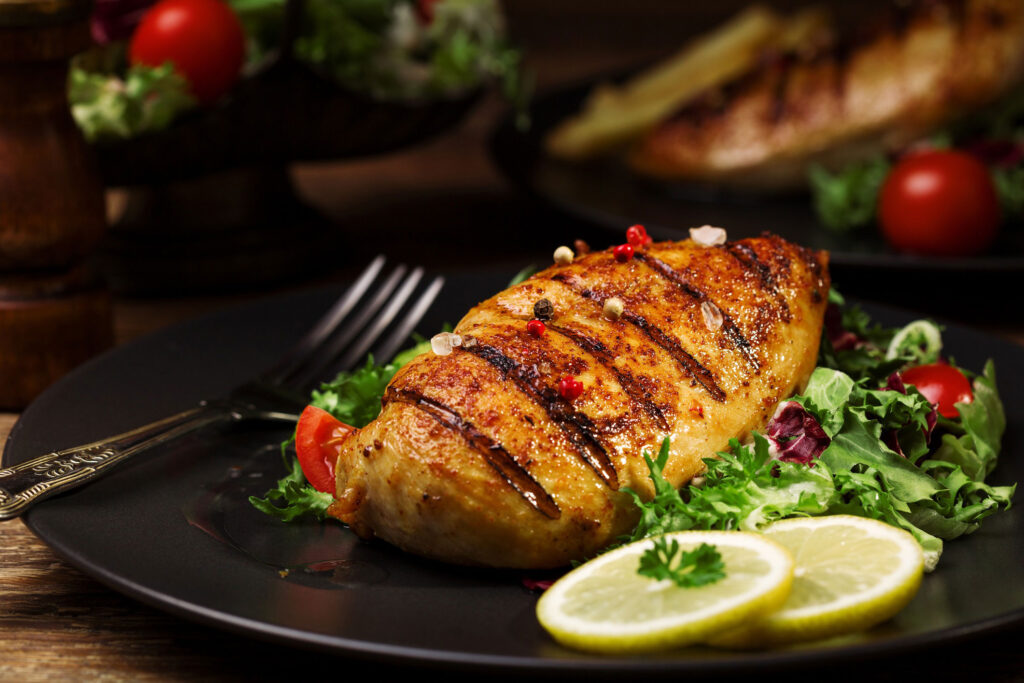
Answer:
(376, 312)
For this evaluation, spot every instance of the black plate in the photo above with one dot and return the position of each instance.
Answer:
(607, 194)
(173, 529)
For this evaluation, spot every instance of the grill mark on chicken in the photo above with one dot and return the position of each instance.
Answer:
(629, 384)
(691, 365)
(747, 257)
(579, 428)
(739, 342)
(494, 453)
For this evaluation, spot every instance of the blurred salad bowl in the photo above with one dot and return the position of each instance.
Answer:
(179, 93)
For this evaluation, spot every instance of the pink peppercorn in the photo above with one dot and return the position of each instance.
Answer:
(623, 252)
(637, 236)
(570, 388)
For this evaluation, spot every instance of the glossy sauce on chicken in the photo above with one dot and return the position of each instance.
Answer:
(478, 458)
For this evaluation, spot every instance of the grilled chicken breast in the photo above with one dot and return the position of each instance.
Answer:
(477, 458)
(929, 65)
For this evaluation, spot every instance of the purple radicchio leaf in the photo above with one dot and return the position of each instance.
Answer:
(890, 437)
(895, 383)
(998, 153)
(794, 435)
(540, 585)
(840, 338)
(116, 19)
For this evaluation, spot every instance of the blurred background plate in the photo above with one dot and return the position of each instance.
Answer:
(605, 193)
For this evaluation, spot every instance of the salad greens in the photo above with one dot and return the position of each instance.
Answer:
(352, 397)
(846, 199)
(144, 100)
(389, 49)
(878, 462)
(855, 441)
(385, 48)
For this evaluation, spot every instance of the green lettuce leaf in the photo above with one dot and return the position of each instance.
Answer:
(352, 397)
(742, 489)
(846, 200)
(934, 496)
(147, 99)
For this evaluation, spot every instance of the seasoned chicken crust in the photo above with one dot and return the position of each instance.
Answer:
(476, 458)
(930, 63)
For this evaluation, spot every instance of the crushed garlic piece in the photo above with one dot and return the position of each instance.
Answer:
(708, 236)
(712, 316)
(613, 308)
(443, 343)
(563, 255)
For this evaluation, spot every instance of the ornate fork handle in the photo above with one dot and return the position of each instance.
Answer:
(25, 484)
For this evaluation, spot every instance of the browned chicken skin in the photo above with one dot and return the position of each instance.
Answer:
(930, 64)
(476, 458)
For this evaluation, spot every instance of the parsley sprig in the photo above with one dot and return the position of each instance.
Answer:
(687, 569)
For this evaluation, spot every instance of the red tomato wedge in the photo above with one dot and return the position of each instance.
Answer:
(318, 439)
(942, 385)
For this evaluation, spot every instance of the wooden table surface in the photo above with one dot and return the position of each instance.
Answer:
(442, 203)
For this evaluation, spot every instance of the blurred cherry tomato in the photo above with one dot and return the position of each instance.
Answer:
(939, 202)
(941, 384)
(203, 38)
(425, 10)
(318, 439)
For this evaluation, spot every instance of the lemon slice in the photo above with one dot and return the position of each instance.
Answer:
(605, 606)
(851, 573)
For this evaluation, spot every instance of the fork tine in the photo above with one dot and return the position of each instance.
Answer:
(311, 368)
(370, 335)
(322, 329)
(404, 327)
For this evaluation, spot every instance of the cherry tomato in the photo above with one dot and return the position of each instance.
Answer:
(318, 440)
(941, 384)
(939, 202)
(203, 38)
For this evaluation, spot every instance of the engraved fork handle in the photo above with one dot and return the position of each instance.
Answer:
(25, 484)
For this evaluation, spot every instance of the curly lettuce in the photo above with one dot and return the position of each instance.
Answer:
(935, 495)
(144, 100)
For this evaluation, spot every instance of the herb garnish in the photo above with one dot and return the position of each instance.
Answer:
(698, 567)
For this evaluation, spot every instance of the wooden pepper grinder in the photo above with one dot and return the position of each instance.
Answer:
(54, 314)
